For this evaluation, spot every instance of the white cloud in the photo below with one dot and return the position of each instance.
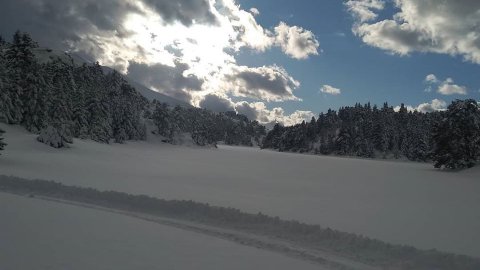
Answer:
(246, 30)
(296, 41)
(446, 87)
(259, 111)
(363, 9)
(446, 27)
(434, 105)
(328, 89)
(431, 78)
(451, 89)
(255, 110)
(254, 11)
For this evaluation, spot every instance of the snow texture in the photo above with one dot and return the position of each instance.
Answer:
(398, 202)
(52, 236)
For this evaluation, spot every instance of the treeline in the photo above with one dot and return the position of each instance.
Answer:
(369, 251)
(450, 138)
(205, 127)
(60, 100)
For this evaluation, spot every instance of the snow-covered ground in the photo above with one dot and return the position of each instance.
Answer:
(399, 202)
(37, 234)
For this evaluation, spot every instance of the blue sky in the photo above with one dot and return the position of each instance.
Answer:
(362, 72)
(270, 62)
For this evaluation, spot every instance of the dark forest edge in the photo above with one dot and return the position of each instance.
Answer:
(359, 248)
(60, 100)
(449, 138)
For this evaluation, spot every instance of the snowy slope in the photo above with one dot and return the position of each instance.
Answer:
(56, 236)
(398, 202)
(45, 55)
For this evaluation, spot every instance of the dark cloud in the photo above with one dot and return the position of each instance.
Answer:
(216, 103)
(246, 109)
(185, 11)
(55, 23)
(167, 79)
(273, 84)
(62, 24)
(270, 83)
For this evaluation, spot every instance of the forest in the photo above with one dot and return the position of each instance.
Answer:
(449, 138)
(60, 100)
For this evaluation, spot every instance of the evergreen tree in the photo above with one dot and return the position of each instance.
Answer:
(5, 101)
(457, 136)
(26, 81)
(100, 122)
(34, 100)
(79, 114)
(161, 118)
(2, 143)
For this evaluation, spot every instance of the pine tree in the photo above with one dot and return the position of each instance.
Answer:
(25, 81)
(161, 118)
(34, 100)
(5, 101)
(2, 143)
(457, 136)
(98, 107)
(79, 114)
(58, 131)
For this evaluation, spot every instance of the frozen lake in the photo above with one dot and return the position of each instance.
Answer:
(399, 202)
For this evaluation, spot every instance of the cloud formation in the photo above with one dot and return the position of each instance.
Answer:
(255, 110)
(363, 10)
(217, 104)
(270, 83)
(446, 27)
(185, 11)
(330, 90)
(171, 80)
(434, 105)
(254, 11)
(260, 112)
(186, 48)
(446, 87)
(296, 41)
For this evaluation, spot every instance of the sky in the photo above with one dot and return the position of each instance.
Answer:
(272, 60)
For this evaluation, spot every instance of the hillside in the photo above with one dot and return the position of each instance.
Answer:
(45, 55)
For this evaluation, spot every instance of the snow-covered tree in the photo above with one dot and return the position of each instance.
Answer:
(2, 143)
(457, 136)
(98, 107)
(54, 136)
(161, 116)
(5, 102)
(79, 114)
(61, 100)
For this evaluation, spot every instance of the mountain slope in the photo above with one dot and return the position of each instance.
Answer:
(44, 55)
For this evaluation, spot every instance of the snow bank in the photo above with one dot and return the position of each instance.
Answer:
(57, 236)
